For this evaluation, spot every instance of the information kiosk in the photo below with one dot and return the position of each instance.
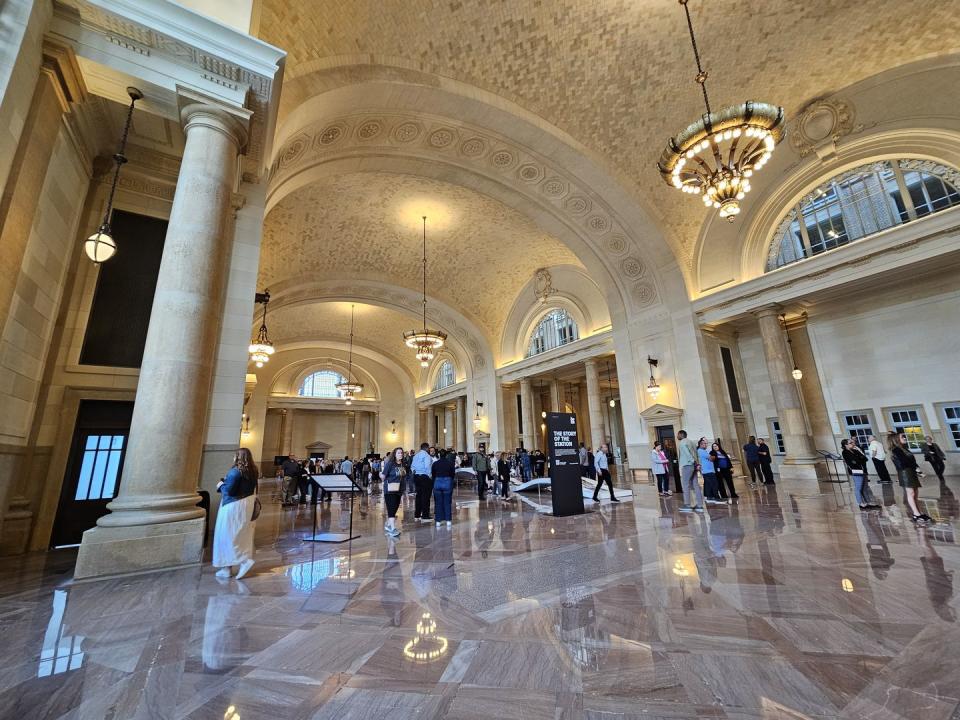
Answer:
(336, 483)
(562, 444)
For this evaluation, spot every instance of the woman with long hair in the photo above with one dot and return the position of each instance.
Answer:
(856, 467)
(659, 463)
(906, 465)
(233, 534)
(724, 471)
(392, 486)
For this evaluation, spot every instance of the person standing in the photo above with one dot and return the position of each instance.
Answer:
(392, 489)
(602, 470)
(688, 474)
(935, 456)
(906, 465)
(856, 466)
(443, 472)
(708, 469)
(766, 461)
(291, 472)
(878, 456)
(584, 461)
(526, 464)
(724, 469)
(233, 533)
(751, 454)
(503, 470)
(422, 465)
(661, 466)
(481, 466)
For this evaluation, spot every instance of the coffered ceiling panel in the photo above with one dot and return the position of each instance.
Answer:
(368, 226)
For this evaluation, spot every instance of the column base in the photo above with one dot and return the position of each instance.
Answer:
(803, 474)
(136, 548)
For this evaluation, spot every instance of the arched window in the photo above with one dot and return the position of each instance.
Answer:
(861, 202)
(556, 328)
(321, 384)
(446, 376)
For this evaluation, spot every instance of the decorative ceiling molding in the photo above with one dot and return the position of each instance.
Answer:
(819, 126)
(477, 150)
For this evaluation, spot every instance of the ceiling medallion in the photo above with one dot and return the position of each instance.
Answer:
(543, 285)
(425, 342)
(348, 389)
(715, 156)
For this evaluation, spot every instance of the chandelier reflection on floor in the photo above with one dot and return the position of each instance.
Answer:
(425, 342)
(716, 156)
(427, 646)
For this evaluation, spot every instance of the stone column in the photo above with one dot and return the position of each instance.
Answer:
(421, 428)
(351, 434)
(556, 403)
(462, 423)
(288, 417)
(448, 438)
(154, 520)
(526, 408)
(432, 425)
(800, 462)
(594, 401)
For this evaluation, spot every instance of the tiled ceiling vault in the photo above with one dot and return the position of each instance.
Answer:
(367, 226)
(615, 74)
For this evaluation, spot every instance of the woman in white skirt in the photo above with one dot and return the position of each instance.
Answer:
(233, 534)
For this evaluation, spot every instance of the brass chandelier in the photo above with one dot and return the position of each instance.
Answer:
(425, 342)
(261, 349)
(349, 389)
(716, 156)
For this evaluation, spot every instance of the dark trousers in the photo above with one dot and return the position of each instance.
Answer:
(938, 465)
(882, 473)
(767, 470)
(482, 476)
(725, 482)
(603, 478)
(303, 484)
(756, 474)
(663, 482)
(711, 489)
(421, 504)
(505, 484)
(392, 501)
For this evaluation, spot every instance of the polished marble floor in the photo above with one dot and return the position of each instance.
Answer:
(783, 606)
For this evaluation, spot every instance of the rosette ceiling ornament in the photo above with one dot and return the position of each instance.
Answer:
(426, 342)
(348, 389)
(716, 156)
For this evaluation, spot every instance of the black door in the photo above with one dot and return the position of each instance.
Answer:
(93, 471)
(668, 440)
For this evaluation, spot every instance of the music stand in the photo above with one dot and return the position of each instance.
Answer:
(338, 483)
(833, 457)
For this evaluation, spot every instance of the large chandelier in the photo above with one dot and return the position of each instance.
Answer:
(261, 349)
(425, 342)
(101, 246)
(349, 389)
(716, 156)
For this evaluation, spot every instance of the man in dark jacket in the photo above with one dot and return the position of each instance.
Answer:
(751, 455)
(291, 475)
(766, 462)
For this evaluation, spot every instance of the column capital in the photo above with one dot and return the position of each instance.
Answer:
(768, 310)
(198, 110)
(590, 363)
(60, 65)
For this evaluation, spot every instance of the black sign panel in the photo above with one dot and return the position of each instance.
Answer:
(563, 447)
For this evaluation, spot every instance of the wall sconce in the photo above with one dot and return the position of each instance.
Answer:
(476, 418)
(393, 429)
(244, 425)
(652, 387)
(797, 373)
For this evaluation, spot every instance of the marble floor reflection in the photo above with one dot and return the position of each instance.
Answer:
(784, 606)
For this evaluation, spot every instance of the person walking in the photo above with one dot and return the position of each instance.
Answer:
(526, 464)
(906, 465)
(392, 490)
(233, 533)
(443, 472)
(751, 455)
(291, 471)
(856, 464)
(706, 460)
(935, 456)
(878, 457)
(503, 470)
(724, 469)
(766, 461)
(422, 465)
(661, 466)
(688, 474)
(602, 469)
(481, 465)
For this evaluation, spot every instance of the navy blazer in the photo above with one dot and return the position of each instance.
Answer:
(236, 486)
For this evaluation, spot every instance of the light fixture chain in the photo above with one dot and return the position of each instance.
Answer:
(701, 75)
(119, 160)
(424, 274)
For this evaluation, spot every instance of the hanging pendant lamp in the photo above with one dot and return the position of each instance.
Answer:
(425, 342)
(101, 246)
(716, 155)
(348, 389)
(261, 349)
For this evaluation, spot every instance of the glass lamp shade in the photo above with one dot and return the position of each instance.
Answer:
(100, 246)
(797, 373)
(476, 422)
(653, 389)
(613, 403)
(260, 352)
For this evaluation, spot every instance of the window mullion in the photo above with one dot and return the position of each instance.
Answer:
(904, 193)
(804, 237)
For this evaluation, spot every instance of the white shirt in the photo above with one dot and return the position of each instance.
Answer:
(600, 460)
(875, 451)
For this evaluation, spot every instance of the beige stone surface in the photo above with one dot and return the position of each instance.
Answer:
(138, 548)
